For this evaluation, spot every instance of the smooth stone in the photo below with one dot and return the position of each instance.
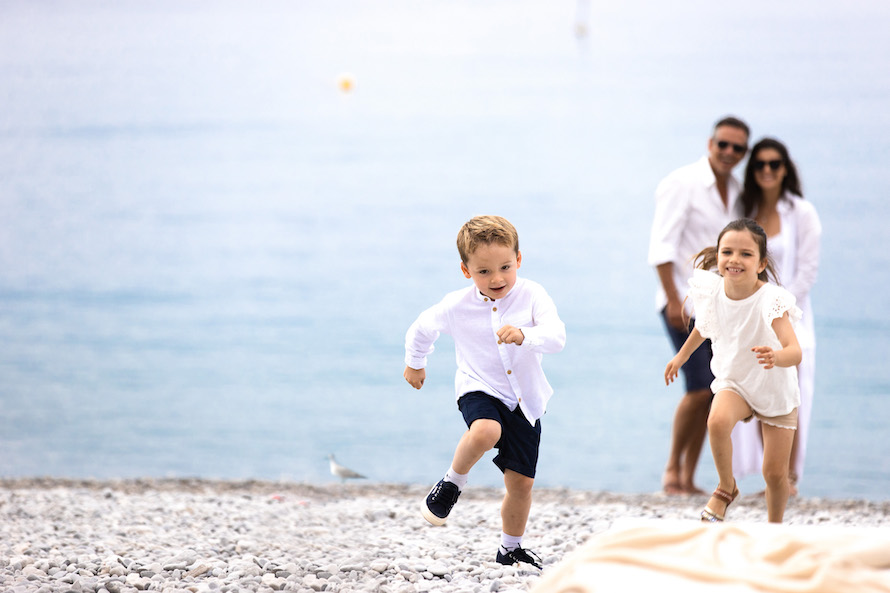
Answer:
(438, 570)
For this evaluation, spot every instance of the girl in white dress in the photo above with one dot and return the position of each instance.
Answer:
(749, 323)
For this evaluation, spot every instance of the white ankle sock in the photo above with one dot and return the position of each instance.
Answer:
(510, 542)
(460, 480)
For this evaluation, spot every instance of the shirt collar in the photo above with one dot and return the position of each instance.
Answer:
(483, 298)
(709, 180)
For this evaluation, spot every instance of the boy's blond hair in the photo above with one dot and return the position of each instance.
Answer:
(485, 230)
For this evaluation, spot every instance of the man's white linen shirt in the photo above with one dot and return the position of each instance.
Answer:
(510, 373)
(689, 215)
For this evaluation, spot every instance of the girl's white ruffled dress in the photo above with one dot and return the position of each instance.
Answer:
(734, 328)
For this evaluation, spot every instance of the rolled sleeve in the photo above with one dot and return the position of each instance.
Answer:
(671, 204)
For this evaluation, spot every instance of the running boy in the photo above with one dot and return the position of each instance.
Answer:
(501, 327)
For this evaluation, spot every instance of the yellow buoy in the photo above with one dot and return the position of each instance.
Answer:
(346, 82)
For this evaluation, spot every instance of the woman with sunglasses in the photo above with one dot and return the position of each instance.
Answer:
(771, 195)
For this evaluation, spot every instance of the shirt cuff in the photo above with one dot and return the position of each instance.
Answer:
(415, 362)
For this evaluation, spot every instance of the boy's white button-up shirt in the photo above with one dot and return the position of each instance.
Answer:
(510, 373)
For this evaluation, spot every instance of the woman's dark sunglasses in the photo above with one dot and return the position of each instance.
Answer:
(774, 165)
(736, 148)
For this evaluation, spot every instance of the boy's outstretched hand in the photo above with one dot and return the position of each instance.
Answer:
(415, 377)
(510, 335)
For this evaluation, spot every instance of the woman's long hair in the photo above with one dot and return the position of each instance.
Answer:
(752, 195)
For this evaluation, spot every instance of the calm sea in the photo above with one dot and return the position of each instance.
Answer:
(210, 252)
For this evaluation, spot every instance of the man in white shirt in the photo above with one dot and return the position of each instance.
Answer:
(501, 326)
(692, 205)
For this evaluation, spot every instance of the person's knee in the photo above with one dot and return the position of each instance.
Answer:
(720, 424)
(518, 484)
(775, 474)
(698, 401)
(485, 433)
(701, 396)
(775, 470)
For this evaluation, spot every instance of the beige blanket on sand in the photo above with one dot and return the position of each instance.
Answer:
(652, 555)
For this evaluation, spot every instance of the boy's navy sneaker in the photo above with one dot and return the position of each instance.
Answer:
(439, 502)
(520, 555)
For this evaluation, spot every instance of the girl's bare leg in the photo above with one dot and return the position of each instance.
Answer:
(727, 409)
(777, 444)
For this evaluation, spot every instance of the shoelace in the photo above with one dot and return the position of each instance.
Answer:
(438, 492)
(527, 556)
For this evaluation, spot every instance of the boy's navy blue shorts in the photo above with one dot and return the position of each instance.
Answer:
(519, 443)
(697, 370)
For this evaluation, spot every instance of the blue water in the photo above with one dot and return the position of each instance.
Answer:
(209, 253)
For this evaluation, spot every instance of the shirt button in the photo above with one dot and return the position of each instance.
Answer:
(520, 400)
(494, 309)
(509, 372)
(486, 299)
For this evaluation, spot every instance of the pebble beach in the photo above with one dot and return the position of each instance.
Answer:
(205, 536)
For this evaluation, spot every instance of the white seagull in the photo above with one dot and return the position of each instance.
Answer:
(344, 473)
